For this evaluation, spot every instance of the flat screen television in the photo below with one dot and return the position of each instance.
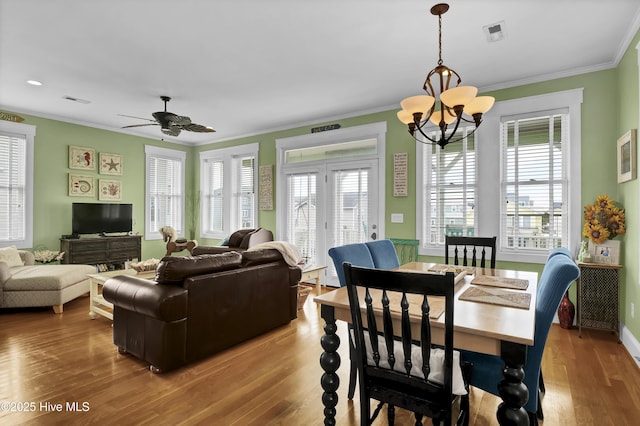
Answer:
(101, 218)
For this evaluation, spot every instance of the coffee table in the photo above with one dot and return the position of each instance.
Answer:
(97, 304)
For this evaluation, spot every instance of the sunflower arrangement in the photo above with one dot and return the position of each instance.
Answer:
(603, 220)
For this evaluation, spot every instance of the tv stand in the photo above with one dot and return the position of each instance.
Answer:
(91, 251)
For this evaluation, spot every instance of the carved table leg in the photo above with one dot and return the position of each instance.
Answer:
(513, 391)
(329, 361)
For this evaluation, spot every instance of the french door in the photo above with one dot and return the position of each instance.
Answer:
(328, 204)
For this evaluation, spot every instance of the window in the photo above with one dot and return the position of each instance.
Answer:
(534, 186)
(165, 176)
(448, 189)
(228, 184)
(16, 184)
(517, 178)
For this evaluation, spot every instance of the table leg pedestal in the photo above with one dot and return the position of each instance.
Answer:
(512, 390)
(329, 361)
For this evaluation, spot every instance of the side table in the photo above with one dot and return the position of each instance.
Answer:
(598, 295)
(97, 304)
(313, 272)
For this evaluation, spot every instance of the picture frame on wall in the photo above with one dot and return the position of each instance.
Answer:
(82, 158)
(110, 164)
(627, 156)
(110, 190)
(81, 185)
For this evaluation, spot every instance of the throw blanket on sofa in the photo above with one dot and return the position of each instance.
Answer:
(289, 252)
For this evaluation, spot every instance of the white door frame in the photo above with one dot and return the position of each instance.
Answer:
(349, 134)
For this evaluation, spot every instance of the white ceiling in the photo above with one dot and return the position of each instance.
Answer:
(246, 67)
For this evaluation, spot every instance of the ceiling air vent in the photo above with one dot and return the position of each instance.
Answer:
(494, 32)
(71, 98)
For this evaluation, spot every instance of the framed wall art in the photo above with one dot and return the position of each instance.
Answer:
(82, 158)
(81, 186)
(109, 190)
(627, 156)
(110, 164)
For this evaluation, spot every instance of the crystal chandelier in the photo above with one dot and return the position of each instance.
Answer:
(455, 105)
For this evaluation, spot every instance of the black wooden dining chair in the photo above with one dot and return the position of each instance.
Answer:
(394, 366)
(468, 249)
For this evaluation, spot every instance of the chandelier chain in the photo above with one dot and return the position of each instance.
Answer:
(440, 39)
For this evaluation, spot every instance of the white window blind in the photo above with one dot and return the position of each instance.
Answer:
(165, 170)
(12, 187)
(228, 183)
(16, 184)
(302, 213)
(351, 204)
(246, 196)
(214, 196)
(534, 186)
(449, 189)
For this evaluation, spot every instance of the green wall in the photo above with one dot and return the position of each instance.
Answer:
(610, 107)
(52, 204)
(627, 116)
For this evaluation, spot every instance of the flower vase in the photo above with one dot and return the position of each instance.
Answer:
(566, 312)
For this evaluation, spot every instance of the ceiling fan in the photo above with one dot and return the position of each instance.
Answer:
(170, 123)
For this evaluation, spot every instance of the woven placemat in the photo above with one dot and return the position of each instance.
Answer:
(488, 280)
(496, 296)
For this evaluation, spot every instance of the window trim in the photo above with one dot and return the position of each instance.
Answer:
(170, 154)
(29, 132)
(227, 156)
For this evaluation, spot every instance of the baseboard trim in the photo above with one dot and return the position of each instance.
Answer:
(631, 344)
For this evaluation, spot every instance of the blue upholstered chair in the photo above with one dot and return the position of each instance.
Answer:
(357, 254)
(383, 253)
(374, 254)
(558, 274)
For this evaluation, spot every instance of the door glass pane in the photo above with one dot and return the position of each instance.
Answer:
(351, 206)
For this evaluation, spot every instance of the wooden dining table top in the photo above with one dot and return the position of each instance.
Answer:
(480, 327)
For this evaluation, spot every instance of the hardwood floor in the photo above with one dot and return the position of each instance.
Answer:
(49, 359)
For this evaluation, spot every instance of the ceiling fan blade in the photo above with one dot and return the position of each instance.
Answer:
(180, 120)
(171, 130)
(139, 118)
(193, 127)
(140, 125)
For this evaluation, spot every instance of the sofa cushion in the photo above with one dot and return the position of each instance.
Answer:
(11, 256)
(235, 240)
(247, 239)
(173, 270)
(46, 277)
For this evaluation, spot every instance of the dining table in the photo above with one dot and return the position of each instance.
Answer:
(500, 320)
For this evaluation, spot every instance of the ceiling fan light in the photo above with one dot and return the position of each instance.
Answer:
(437, 116)
(420, 103)
(460, 95)
(481, 104)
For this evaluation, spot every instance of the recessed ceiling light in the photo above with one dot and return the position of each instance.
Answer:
(34, 82)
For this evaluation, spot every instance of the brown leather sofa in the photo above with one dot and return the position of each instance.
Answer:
(200, 305)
